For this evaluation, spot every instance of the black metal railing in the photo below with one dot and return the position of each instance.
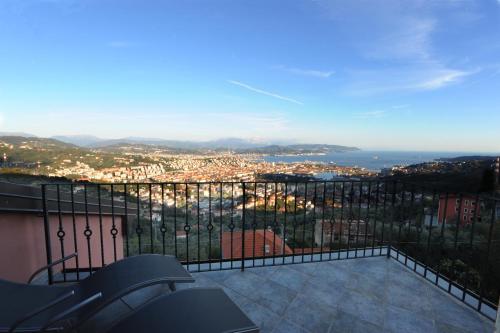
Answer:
(451, 239)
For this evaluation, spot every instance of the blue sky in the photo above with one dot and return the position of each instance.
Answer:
(378, 74)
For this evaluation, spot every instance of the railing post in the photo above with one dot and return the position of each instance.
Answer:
(243, 230)
(393, 203)
(46, 227)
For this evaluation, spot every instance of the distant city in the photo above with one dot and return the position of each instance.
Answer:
(87, 158)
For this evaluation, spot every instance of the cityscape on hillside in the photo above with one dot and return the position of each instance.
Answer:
(136, 160)
(140, 162)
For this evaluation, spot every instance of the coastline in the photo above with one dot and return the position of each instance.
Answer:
(370, 160)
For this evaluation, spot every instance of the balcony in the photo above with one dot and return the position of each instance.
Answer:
(296, 257)
(371, 294)
(361, 295)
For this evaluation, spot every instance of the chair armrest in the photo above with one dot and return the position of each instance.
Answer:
(72, 309)
(51, 265)
(40, 309)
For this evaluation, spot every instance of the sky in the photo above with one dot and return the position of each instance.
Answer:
(377, 74)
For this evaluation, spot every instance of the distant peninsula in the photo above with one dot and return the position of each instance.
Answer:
(298, 149)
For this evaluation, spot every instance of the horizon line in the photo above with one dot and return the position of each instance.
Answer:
(281, 143)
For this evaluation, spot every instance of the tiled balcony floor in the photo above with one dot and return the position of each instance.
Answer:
(357, 295)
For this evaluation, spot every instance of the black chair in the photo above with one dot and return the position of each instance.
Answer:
(35, 308)
(191, 310)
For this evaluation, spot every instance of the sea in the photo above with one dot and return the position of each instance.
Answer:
(371, 160)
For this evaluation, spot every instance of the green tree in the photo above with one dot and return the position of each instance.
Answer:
(487, 181)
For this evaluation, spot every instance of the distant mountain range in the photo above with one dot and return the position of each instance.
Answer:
(235, 144)
(79, 140)
(26, 135)
(225, 143)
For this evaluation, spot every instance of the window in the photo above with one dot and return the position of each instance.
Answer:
(466, 202)
(267, 248)
(465, 218)
(466, 210)
(458, 201)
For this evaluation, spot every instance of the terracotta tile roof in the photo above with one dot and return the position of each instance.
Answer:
(272, 244)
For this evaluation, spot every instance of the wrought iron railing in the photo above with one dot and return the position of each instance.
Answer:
(451, 239)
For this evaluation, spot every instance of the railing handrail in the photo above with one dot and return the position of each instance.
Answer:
(381, 180)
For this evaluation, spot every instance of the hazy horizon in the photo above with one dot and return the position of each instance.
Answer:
(375, 74)
(256, 141)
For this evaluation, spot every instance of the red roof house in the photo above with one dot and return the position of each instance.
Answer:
(267, 243)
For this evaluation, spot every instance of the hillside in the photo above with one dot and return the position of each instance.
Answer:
(465, 174)
(43, 154)
(36, 150)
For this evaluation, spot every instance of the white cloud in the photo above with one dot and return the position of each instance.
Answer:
(263, 123)
(203, 125)
(443, 78)
(263, 92)
(371, 114)
(385, 29)
(406, 79)
(396, 41)
(308, 72)
(410, 40)
(401, 106)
